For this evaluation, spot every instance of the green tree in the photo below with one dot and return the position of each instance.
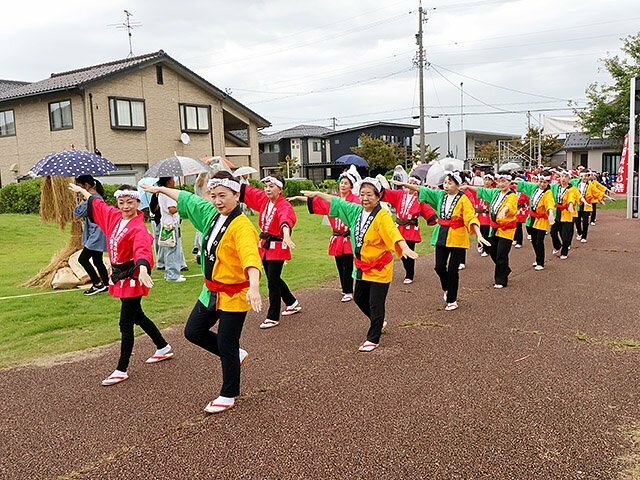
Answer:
(549, 144)
(607, 111)
(488, 151)
(288, 168)
(380, 154)
(430, 154)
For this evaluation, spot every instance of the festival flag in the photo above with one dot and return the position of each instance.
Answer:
(623, 171)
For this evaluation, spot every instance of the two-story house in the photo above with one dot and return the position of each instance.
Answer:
(134, 111)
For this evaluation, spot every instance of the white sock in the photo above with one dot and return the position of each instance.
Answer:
(225, 400)
(118, 373)
(294, 305)
(164, 350)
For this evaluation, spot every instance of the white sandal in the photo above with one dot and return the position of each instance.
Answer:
(368, 346)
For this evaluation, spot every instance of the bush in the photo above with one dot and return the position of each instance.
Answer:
(23, 197)
(292, 187)
(329, 186)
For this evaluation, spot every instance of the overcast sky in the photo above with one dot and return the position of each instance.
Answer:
(296, 61)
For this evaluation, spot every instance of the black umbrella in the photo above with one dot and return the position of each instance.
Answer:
(72, 163)
(177, 166)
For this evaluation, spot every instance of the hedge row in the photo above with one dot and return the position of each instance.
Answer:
(24, 197)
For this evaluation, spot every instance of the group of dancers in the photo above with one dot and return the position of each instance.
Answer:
(364, 240)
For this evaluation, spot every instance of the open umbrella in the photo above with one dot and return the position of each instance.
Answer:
(351, 159)
(177, 166)
(225, 162)
(510, 167)
(452, 164)
(244, 171)
(435, 175)
(72, 163)
(145, 197)
(421, 171)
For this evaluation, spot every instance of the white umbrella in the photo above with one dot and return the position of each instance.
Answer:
(510, 167)
(177, 166)
(435, 175)
(452, 164)
(244, 171)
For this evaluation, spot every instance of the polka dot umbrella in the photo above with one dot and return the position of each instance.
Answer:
(177, 166)
(72, 163)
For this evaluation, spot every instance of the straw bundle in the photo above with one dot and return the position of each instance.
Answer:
(56, 205)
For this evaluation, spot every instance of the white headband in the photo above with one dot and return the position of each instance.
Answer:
(349, 177)
(546, 178)
(506, 176)
(584, 173)
(457, 177)
(371, 181)
(127, 193)
(489, 176)
(414, 180)
(223, 182)
(273, 180)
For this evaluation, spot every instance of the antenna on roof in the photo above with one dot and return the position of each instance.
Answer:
(127, 25)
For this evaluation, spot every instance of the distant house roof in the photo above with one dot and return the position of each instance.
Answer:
(582, 141)
(6, 85)
(371, 125)
(301, 131)
(477, 132)
(84, 77)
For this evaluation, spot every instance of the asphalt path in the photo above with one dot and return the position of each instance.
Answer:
(530, 382)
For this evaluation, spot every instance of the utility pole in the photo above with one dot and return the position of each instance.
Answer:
(539, 138)
(421, 80)
(334, 122)
(461, 106)
(449, 137)
(530, 139)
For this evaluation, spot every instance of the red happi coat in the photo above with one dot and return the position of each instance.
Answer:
(523, 208)
(271, 245)
(133, 243)
(340, 243)
(407, 209)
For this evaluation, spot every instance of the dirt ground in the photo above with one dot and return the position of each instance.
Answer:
(536, 381)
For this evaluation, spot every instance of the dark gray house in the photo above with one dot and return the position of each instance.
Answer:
(342, 140)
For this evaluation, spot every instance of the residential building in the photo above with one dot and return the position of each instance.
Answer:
(304, 146)
(133, 111)
(342, 140)
(461, 144)
(599, 154)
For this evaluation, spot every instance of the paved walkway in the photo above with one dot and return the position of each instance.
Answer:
(529, 382)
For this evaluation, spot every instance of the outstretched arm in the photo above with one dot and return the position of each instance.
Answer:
(410, 186)
(172, 193)
(314, 194)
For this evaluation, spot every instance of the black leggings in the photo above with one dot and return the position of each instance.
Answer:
(409, 263)
(537, 242)
(499, 251)
(131, 313)
(278, 289)
(96, 256)
(582, 223)
(225, 344)
(519, 237)
(370, 298)
(593, 212)
(561, 236)
(345, 272)
(448, 259)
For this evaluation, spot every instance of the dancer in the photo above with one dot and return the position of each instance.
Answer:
(94, 242)
(482, 210)
(592, 192)
(456, 216)
(231, 268)
(276, 220)
(566, 197)
(503, 206)
(374, 237)
(340, 243)
(541, 213)
(131, 255)
(521, 217)
(471, 195)
(408, 211)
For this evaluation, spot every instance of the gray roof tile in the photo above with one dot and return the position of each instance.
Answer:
(6, 85)
(301, 131)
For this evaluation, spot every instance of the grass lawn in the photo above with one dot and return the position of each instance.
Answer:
(44, 325)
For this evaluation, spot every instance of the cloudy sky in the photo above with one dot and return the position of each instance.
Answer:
(295, 61)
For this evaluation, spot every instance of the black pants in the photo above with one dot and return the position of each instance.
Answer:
(593, 212)
(582, 223)
(519, 237)
(484, 230)
(409, 263)
(499, 251)
(102, 276)
(537, 242)
(370, 298)
(278, 289)
(225, 344)
(131, 313)
(561, 236)
(529, 229)
(345, 272)
(448, 259)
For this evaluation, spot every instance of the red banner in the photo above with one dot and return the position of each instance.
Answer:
(623, 171)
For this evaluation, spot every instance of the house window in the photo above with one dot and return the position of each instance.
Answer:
(610, 161)
(127, 113)
(159, 77)
(7, 124)
(272, 148)
(194, 118)
(336, 141)
(60, 117)
(584, 159)
(317, 146)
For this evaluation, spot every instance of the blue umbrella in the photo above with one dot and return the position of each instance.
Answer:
(351, 159)
(145, 197)
(72, 163)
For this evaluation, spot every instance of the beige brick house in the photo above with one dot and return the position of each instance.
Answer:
(133, 111)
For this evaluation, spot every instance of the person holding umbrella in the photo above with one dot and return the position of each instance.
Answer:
(130, 247)
(231, 268)
(276, 220)
(456, 216)
(373, 239)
